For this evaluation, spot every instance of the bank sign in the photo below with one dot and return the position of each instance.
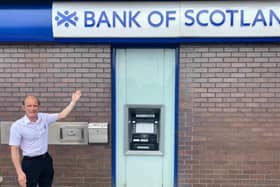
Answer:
(165, 19)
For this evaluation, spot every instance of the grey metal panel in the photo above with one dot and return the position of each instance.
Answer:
(59, 132)
(98, 132)
(68, 133)
(5, 131)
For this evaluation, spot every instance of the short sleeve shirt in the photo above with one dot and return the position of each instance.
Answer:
(32, 137)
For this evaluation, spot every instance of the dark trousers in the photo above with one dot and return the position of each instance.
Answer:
(38, 170)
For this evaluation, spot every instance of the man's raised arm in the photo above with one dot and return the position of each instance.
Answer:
(66, 111)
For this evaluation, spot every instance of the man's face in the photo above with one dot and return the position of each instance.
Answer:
(31, 107)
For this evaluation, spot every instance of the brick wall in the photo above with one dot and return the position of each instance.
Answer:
(229, 121)
(229, 103)
(53, 72)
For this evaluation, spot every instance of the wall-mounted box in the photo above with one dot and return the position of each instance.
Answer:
(98, 133)
(5, 131)
(72, 134)
(68, 133)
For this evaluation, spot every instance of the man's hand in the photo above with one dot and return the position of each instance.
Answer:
(22, 179)
(76, 96)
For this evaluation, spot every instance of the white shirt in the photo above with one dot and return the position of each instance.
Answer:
(32, 137)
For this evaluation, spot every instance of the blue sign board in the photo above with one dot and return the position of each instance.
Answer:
(141, 22)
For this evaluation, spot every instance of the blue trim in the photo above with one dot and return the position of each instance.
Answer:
(28, 32)
(176, 114)
(20, 3)
(144, 45)
(25, 24)
(168, 40)
(114, 117)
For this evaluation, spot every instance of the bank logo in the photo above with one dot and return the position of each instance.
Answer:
(66, 18)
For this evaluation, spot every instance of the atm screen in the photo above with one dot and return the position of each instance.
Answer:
(144, 128)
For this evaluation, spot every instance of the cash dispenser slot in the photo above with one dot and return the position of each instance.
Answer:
(144, 129)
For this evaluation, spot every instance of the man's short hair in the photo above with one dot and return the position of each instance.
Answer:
(38, 101)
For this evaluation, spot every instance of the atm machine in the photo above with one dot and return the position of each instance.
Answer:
(144, 128)
(144, 123)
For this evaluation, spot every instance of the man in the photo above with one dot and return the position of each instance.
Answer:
(30, 134)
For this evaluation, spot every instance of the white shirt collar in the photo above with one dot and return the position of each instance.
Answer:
(27, 121)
